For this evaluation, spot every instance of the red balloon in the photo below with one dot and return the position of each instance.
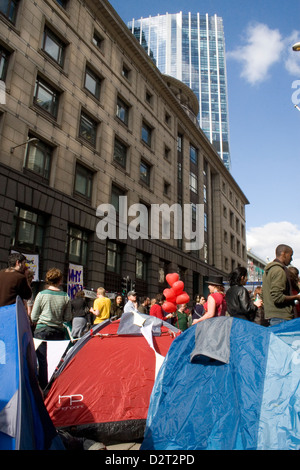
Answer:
(170, 295)
(178, 287)
(169, 307)
(171, 278)
(183, 298)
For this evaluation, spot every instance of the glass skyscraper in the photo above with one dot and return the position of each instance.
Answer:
(191, 48)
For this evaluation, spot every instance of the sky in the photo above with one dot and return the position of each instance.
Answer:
(263, 80)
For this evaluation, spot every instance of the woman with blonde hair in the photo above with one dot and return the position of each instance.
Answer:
(50, 310)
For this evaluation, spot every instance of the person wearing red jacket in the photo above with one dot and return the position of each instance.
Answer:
(157, 311)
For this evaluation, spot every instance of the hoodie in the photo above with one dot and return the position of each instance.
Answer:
(275, 288)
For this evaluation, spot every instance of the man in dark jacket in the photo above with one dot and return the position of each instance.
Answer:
(276, 290)
(13, 281)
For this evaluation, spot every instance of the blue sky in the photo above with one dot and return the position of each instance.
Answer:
(263, 75)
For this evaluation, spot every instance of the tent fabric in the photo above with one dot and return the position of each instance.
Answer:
(102, 389)
(24, 420)
(248, 400)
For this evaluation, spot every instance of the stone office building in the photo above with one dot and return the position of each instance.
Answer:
(86, 118)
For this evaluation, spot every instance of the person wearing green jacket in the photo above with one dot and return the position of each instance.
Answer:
(181, 318)
(278, 300)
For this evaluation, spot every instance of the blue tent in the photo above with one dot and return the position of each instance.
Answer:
(24, 420)
(228, 384)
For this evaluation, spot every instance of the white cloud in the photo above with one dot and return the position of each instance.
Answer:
(263, 240)
(263, 47)
(292, 58)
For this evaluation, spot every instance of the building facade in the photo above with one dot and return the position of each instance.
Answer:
(87, 120)
(191, 48)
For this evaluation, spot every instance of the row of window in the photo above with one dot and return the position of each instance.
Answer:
(39, 155)
(28, 234)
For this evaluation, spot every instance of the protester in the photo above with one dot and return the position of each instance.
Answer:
(131, 304)
(198, 309)
(13, 280)
(181, 317)
(277, 292)
(294, 276)
(216, 303)
(101, 307)
(156, 309)
(260, 314)
(50, 310)
(117, 307)
(81, 317)
(238, 300)
(144, 305)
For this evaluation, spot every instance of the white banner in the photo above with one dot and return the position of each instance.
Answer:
(75, 279)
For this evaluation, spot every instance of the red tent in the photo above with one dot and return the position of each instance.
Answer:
(102, 390)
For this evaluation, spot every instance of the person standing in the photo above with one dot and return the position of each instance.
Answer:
(117, 307)
(101, 307)
(216, 303)
(13, 280)
(277, 293)
(80, 314)
(144, 305)
(181, 318)
(50, 310)
(131, 304)
(198, 309)
(156, 309)
(239, 303)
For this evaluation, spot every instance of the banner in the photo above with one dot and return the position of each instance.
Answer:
(32, 263)
(75, 279)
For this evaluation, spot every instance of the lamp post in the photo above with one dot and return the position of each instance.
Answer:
(33, 139)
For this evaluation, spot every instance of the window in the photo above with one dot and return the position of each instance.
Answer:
(28, 230)
(9, 9)
(38, 158)
(145, 172)
(113, 257)
(116, 192)
(167, 118)
(76, 246)
(62, 3)
(83, 181)
(120, 152)
(4, 55)
(88, 129)
(46, 97)
(122, 111)
(167, 153)
(53, 46)
(167, 188)
(92, 83)
(179, 172)
(97, 40)
(193, 183)
(204, 193)
(193, 155)
(146, 134)
(125, 72)
(141, 266)
(148, 97)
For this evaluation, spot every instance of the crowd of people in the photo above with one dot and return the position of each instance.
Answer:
(277, 300)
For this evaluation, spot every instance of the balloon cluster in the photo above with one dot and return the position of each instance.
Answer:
(175, 295)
